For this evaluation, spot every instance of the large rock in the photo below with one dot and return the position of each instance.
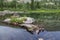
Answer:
(29, 20)
(30, 27)
(7, 20)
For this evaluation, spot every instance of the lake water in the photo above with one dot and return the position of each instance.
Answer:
(9, 33)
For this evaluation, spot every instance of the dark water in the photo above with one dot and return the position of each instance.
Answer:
(8, 33)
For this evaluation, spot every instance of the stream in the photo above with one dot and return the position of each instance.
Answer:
(9, 33)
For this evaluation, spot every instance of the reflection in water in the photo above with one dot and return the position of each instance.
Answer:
(8, 33)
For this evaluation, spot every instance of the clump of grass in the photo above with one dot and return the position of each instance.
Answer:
(18, 20)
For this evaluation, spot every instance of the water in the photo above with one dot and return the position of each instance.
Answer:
(9, 33)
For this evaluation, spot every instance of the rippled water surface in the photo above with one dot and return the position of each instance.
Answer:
(8, 33)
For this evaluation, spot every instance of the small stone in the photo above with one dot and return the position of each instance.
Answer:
(40, 39)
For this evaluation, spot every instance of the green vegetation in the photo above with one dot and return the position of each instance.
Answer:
(18, 20)
(34, 5)
(45, 12)
(51, 21)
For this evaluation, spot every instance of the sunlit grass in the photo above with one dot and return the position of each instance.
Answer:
(45, 11)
